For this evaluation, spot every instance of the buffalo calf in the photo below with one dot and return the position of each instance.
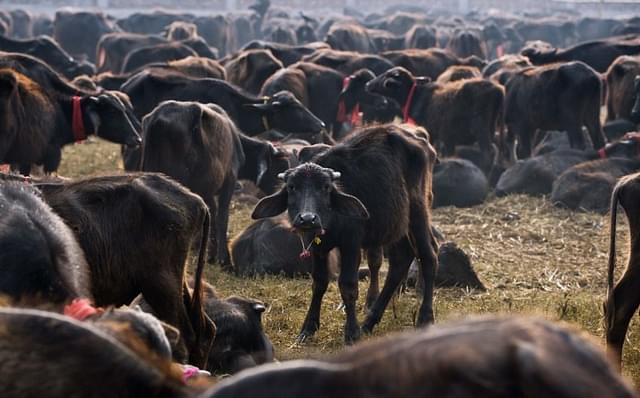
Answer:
(383, 200)
(103, 212)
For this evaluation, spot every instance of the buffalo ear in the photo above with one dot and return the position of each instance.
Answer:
(348, 206)
(271, 206)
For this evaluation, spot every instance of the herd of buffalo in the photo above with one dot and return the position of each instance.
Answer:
(342, 131)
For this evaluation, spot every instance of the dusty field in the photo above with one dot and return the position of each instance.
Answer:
(533, 258)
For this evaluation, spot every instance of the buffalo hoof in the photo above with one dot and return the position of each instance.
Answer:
(304, 336)
(352, 335)
(367, 326)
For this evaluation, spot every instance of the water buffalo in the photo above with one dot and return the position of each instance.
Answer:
(85, 361)
(41, 259)
(348, 61)
(457, 113)
(49, 51)
(622, 299)
(249, 69)
(200, 147)
(622, 89)
(138, 58)
(458, 182)
(38, 122)
(113, 48)
(253, 115)
(478, 357)
(561, 97)
(79, 32)
(429, 63)
(362, 214)
(102, 212)
(588, 186)
(598, 54)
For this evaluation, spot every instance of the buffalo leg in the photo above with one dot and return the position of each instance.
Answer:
(576, 138)
(166, 299)
(524, 144)
(424, 244)
(348, 284)
(320, 282)
(595, 130)
(624, 301)
(213, 238)
(222, 220)
(400, 257)
(374, 259)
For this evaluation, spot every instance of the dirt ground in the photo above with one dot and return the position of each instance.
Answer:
(533, 258)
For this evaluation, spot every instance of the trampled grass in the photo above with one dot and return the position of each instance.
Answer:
(533, 258)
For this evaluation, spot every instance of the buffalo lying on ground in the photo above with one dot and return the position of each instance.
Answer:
(588, 186)
(458, 182)
(536, 175)
(85, 361)
(269, 246)
(385, 175)
(41, 259)
(481, 357)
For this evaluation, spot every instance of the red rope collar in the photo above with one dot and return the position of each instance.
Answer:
(80, 309)
(341, 117)
(77, 123)
(602, 154)
(407, 105)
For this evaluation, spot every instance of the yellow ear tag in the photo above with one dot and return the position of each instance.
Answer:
(317, 240)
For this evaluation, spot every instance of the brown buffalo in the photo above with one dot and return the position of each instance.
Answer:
(102, 212)
(37, 122)
(457, 113)
(562, 97)
(251, 68)
(430, 63)
(622, 88)
(622, 300)
(384, 200)
(479, 357)
(85, 361)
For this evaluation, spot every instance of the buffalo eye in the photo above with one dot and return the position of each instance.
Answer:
(291, 188)
(327, 187)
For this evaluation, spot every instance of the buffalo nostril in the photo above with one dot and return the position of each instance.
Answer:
(306, 219)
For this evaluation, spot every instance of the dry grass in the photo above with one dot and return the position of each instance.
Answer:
(533, 258)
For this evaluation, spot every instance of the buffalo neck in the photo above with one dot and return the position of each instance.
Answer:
(251, 147)
(249, 121)
(65, 124)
